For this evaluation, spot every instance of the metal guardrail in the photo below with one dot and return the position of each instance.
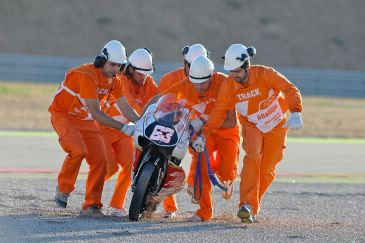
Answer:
(51, 69)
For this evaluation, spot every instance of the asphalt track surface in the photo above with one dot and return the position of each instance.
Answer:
(294, 210)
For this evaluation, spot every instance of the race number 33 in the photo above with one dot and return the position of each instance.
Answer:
(161, 133)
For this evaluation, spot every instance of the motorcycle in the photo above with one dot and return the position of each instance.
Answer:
(161, 139)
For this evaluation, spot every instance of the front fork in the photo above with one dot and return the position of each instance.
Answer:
(136, 160)
(136, 167)
(139, 159)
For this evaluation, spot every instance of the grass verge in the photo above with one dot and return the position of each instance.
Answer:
(24, 108)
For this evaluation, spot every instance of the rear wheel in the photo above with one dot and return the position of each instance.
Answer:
(138, 202)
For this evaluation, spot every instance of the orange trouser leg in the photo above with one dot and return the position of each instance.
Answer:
(96, 159)
(169, 204)
(226, 161)
(72, 143)
(274, 144)
(190, 177)
(205, 212)
(111, 160)
(250, 175)
(124, 150)
(81, 139)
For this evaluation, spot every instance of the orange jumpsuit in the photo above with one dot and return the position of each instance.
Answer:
(168, 80)
(225, 141)
(261, 106)
(78, 133)
(119, 147)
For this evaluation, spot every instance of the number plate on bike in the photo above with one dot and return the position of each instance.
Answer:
(161, 135)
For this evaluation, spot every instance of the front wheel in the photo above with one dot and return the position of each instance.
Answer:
(141, 191)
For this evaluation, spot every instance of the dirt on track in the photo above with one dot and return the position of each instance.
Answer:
(290, 212)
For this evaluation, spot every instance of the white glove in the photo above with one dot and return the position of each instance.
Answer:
(295, 121)
(197, 124)
(199, 144)
(128, 129)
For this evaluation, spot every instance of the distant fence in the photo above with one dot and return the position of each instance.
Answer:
(52, 69)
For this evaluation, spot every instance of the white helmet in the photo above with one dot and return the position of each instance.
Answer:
(114, 51)
(201, 70)
(191, 52)
(236, 55)
(141, 60)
